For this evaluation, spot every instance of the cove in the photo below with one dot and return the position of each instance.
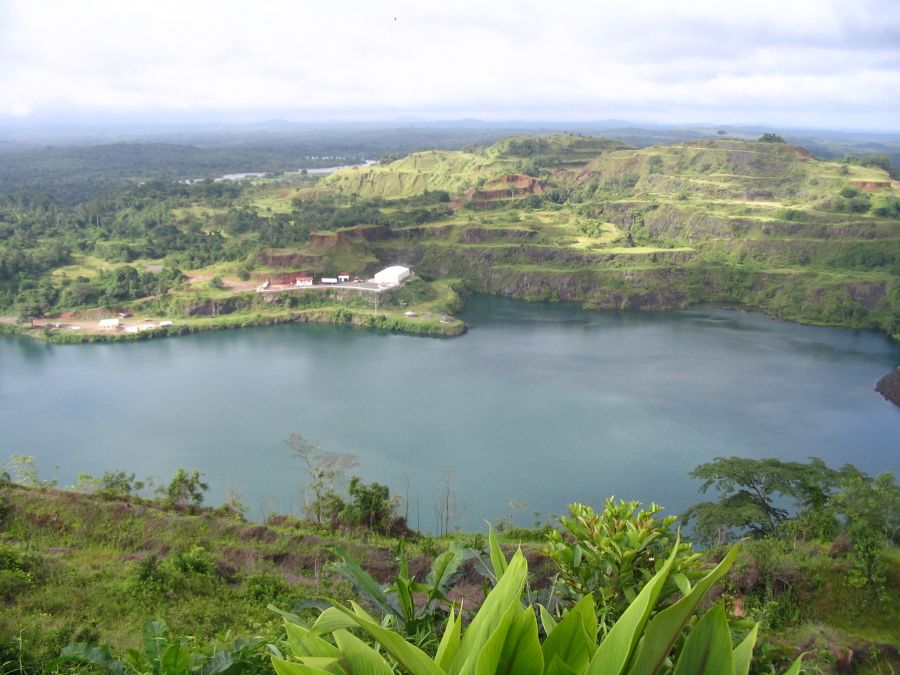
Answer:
(544, 404)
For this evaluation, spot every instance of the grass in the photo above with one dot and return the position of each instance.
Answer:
(99, 567)
(83, 266)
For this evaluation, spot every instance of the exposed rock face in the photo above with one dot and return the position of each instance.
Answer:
(889, 387)
(286, 259)
(330, 240)
(872, 185)
(217, 307)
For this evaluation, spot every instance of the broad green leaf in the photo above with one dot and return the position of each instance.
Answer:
(359, 611)
(507, 593)
(407, 605)
(707, 650)
(662, 632)
(743, 653)
(155, 638)
(358, 657)
(175, 659)
(521, 653)
(557, 667)
(795, 666)
(362, 581)
(498, 560)
(548, 623)
(446, 650)
(331, 620)
(484, 662)
(304, 643)
(613, 653)
(329, 664)
(413, 659)
(443, 567)
(683, 583)
(221, 663)
(574, 639)
(283, 667)
(287, 616)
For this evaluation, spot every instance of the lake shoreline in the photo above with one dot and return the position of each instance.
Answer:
(329, 316)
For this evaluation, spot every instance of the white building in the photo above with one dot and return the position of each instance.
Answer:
(109, 324)
(304, 280)
(391, 276)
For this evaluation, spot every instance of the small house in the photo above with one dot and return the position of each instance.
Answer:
(304, 280)
(109, 324)
(343, 278)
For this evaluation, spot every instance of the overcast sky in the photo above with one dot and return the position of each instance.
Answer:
(832, 63)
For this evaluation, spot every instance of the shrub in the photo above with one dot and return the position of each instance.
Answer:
(266, 588)
(612, 554)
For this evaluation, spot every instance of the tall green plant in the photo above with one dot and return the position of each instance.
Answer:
(415, 607)
(503, 637)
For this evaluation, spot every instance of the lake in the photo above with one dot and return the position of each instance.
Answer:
(544, 404)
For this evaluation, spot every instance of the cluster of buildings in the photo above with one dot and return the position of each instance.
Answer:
(386, 278)
(116, 324)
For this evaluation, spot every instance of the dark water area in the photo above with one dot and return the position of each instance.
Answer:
(544, 404)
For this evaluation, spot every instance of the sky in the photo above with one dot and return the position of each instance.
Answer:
(818, 63)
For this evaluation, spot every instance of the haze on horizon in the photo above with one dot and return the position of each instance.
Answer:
(814, 63)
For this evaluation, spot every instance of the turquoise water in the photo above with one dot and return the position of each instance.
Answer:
(544, 404)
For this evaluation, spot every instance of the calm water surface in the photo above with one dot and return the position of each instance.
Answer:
(541, 404)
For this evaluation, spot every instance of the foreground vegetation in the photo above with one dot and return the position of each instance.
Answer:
(82, 569)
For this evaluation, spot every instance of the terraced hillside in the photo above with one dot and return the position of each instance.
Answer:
(758, 225)
(761, 225)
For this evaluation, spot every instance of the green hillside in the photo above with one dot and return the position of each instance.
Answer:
(758, 225)
(92, 564)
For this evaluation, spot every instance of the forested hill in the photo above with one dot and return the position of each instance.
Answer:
(759, 224)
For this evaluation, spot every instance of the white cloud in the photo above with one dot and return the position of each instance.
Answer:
(767, 61)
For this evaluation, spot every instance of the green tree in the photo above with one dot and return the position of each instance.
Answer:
(33, 308)
(186, 489)
(870, 510)
(750, 491)
(771, 138)
(370, 506)
(23, 470)
(324, 471)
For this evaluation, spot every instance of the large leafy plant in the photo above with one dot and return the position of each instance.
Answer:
(415, 607)
(503, 637)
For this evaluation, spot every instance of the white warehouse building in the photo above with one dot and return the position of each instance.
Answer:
(391, 276)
